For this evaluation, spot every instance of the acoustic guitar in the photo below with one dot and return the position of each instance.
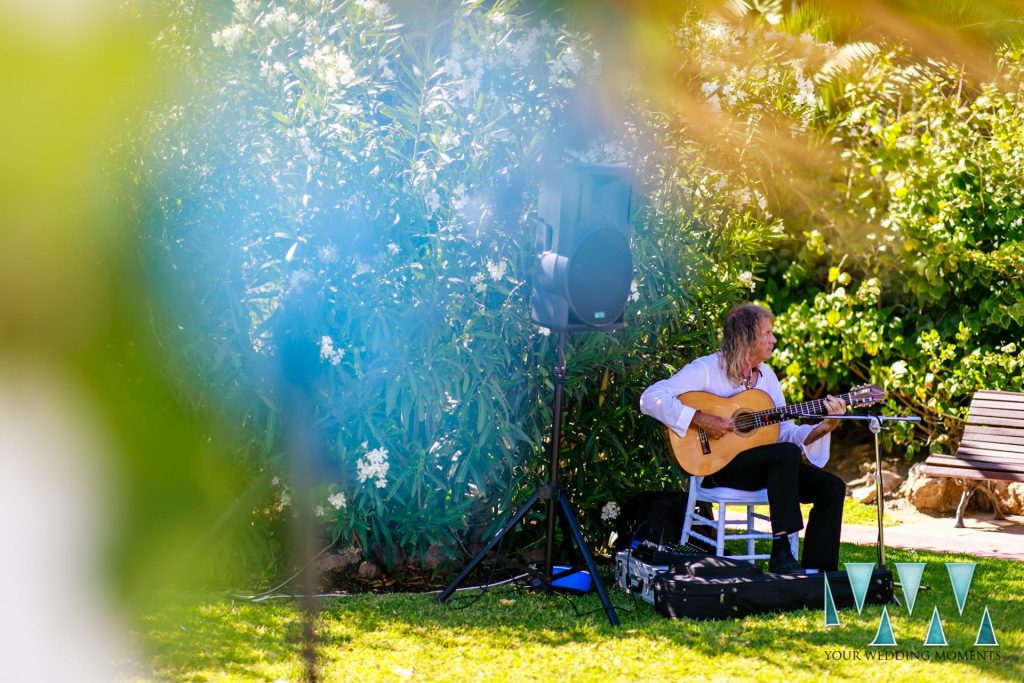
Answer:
(755, 420)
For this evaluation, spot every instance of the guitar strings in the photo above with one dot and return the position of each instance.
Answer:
(753, 420)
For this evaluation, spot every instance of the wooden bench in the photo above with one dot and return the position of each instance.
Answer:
(992, 448)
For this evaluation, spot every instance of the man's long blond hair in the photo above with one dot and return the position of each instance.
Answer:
(739, 332)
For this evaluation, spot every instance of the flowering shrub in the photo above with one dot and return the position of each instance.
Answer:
(901, 253)
(361, 185)
(915, 282)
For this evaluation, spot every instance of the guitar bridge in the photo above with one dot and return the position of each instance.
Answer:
(705, 445)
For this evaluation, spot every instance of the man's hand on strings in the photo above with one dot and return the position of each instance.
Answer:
(714, 426)
(834, 406)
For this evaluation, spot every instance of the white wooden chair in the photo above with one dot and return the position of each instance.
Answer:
(724, 498)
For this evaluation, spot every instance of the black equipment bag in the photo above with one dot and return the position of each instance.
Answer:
(657, 517)
(720, 595)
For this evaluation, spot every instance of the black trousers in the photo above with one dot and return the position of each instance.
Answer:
(779, 467)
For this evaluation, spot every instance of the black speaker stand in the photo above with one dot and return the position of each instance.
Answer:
(553, 494)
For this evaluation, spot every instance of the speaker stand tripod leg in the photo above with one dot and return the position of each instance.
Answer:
(587, 558)
(487, 548)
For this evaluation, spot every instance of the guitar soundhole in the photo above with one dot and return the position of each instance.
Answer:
(743, 422)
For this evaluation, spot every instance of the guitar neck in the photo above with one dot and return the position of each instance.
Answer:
(781, 414)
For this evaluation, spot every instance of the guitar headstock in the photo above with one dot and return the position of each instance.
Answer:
(865, 395)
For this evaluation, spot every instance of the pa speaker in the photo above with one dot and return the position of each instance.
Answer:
(584, 264)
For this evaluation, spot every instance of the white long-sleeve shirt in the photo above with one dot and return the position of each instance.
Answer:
(706, 374)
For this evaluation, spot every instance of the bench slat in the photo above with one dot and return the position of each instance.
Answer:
(982, 460)
(997, 405)
(972, 473)
(995, 421)
(999, 443)
(978, 433)
(1013, 414)
(958, 464)
(992, 456)
(989, 395)
(1007, 450)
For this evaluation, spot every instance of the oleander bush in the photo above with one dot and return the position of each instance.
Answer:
(344, 216)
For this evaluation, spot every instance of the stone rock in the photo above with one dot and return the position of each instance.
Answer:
(1011, 496)
(930, 494)
(398, 556)
(340, 561)
(368, 570)
(434, 556)
(864, 494)
(891, 480)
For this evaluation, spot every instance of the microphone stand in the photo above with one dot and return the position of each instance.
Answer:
(875, 423)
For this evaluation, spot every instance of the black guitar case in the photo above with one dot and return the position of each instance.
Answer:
(729, 593)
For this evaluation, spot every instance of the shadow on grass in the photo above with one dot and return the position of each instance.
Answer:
(244, 640)
(795, 640)
(366, 632)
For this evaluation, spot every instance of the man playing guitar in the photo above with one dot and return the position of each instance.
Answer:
(747, 342)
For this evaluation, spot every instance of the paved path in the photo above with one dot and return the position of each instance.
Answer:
(981, 536)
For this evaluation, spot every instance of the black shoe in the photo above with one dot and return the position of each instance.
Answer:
(782, 560)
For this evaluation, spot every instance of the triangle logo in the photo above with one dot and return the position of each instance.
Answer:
(960, 575)
(859, 574)
(986, 634)
(831, 615)
(884, 637)
(936, 636)
(910, 579)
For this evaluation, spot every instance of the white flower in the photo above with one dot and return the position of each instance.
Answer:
(319, 511)
(714, 104)
(374, 465)
(328, 254)
(805, 95)
(328, 352)
(610, 511)
(448, 140)
(459, 199)
(478, 283)
(747, 280)
(375, 8)
(280, 20)
(228, 37)
(544, 330)
(338, 500)
(330, 65)
(393, 248)
(565, 66)
(433, 201)
(634, 291)
(496, 269)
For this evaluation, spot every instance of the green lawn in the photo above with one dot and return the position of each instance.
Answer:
(510, 635)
